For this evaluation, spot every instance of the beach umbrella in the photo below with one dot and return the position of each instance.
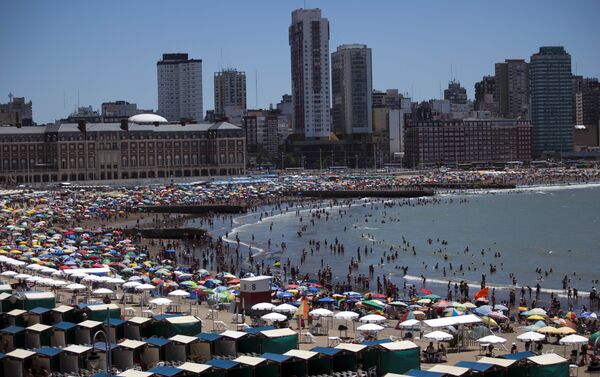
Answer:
(326, 299)
(451, 312)
(352, 294)
(483, 310)
(409, 323)
(565, 330)
(75, 287)
(369, 327)
(346, 315)
(9, 273)
(321, 313)
(595, 336)
(491, 339)
(179, 293)
(531, 336)
(374, 303)
(131, 284)
(424, 301)
(573, 339)
(372, 318)
(160, 301)
(438, 336)
(263, 306)
(275, 317)
(535, 317)
(537, 311)
(115, 281)
(548, 330)
(489, 321)
(144, 287)
(500, 307)
(570, 315)
(431, 296)
(498, 316)
(399, 303)
(285, 308)
(102, 292)
(22, 276)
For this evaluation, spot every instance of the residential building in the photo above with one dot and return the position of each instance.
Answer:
(309, 45)
(551, 101)
(16, 112)
(352, 86)
(230, 94)
(512, 89)
(266, 132)
(85, 113)
(454, 142)
(457, 95)
(114, 112)
(485, 91)
(390, 99)
(587, 102)
(389, 129)
(62, 152)
(180, 88)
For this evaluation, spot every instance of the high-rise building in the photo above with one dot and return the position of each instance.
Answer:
(390, 99)
(457, 95)
(551, 101)
(587, 103)
(180, 87)
(352, 86)
(16, 112)
(230, 92)
(309, 45)
(485, 91)
(512, 89)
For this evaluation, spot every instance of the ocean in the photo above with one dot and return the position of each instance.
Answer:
(540, 233)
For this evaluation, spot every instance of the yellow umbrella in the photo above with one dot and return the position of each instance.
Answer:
(548, 330)
(535, 318)
(489, 321)
(565, 331)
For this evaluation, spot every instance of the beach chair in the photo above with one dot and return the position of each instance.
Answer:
(221, 326)
(130, 311)
(333, 341)
(307, 338)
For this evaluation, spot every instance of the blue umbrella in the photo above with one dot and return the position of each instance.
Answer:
(326, 299)
(483, 310)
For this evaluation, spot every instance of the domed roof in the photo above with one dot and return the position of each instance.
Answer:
(147, 118)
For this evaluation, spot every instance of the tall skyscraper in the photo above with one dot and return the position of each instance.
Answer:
(457, 95)
(512, 89)
(309, 45)
(180, 87)
(352, 86)
(230, 92)
(485, 91)
(551, 100)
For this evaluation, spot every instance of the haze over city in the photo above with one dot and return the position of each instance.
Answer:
(60, 54)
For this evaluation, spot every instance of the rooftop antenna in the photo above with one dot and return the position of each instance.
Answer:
(10, 96)
(221, 60)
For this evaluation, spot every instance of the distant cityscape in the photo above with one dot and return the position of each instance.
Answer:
(525, 111)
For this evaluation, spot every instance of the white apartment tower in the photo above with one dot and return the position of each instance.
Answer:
(180, 87)
(309, 45)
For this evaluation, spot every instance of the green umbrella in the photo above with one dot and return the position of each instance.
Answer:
(595, 337)
(431, 296)
(373, 303)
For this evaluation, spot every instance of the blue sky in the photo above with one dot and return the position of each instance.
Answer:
(107, 50)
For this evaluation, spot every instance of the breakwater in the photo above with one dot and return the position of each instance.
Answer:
(196, 209)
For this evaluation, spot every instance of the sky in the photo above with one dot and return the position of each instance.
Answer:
(61, 53)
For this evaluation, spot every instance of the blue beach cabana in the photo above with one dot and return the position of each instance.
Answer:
(116, 326)
(206, 346)
(482, 368)
(38, 335)
(503, 367)
(73, 358)
(63, 333)
(336, 357)
(284, 363)
(183, 348)
(399, 357)
(17, 361)
(424, 373)
(101, 349)
(63, 313)
(227, 344)
(313, 362)
(277, 340)
(85, 331)
(166, 371)
(548, 365)
(129, 353)
(17, 317)
(30, 300)
(352, 355)
(12, 337)
(47, 357)
(520, 367)
(40, 315)
(137, 328)
(225, 367)
(155, 351)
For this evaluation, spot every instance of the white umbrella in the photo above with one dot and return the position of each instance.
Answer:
(491, 339)
(179, 293)
(347, 316)
(321, 313)
(102, 291)
(285, 308)
(115, 281)
(409, 323)
(573, 339)
(144, 287)
(75, 287)
(369, 327)
(9, 273)
(372, 318)
(438, 336)
(531, 336)
(22, 276)
(131, 284)
(537, 311)
(161, 301)
(274, 317)
(263, 306)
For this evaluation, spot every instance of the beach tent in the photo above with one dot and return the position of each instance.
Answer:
(183, 347)
(7, 303)
(286, 365)
(17, 361)
(228, 368)
(85, 331)
(503, 367)
(227, 344)
(63, 313)
(17, 317)
(12, 337)
(155, 351)
(195, 369)
(352, 355)
(315, 363)
(115, 328)
(166, 371)
(338, 358)
(134, 373)
(370, 355)
(63, 333)
(98, 312)
(37, 336)
(206, 346)
(74, 358)
(399, 357)
(101, 349)
(424, 373)
(548, 365)
(278, 340)
(169, 326)
(450, 370)
(47, 357)
(137, 328)
(481, 368)
(39, 315)
(30, 300)
(257, 367)
(521, 367)
(129, 353)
